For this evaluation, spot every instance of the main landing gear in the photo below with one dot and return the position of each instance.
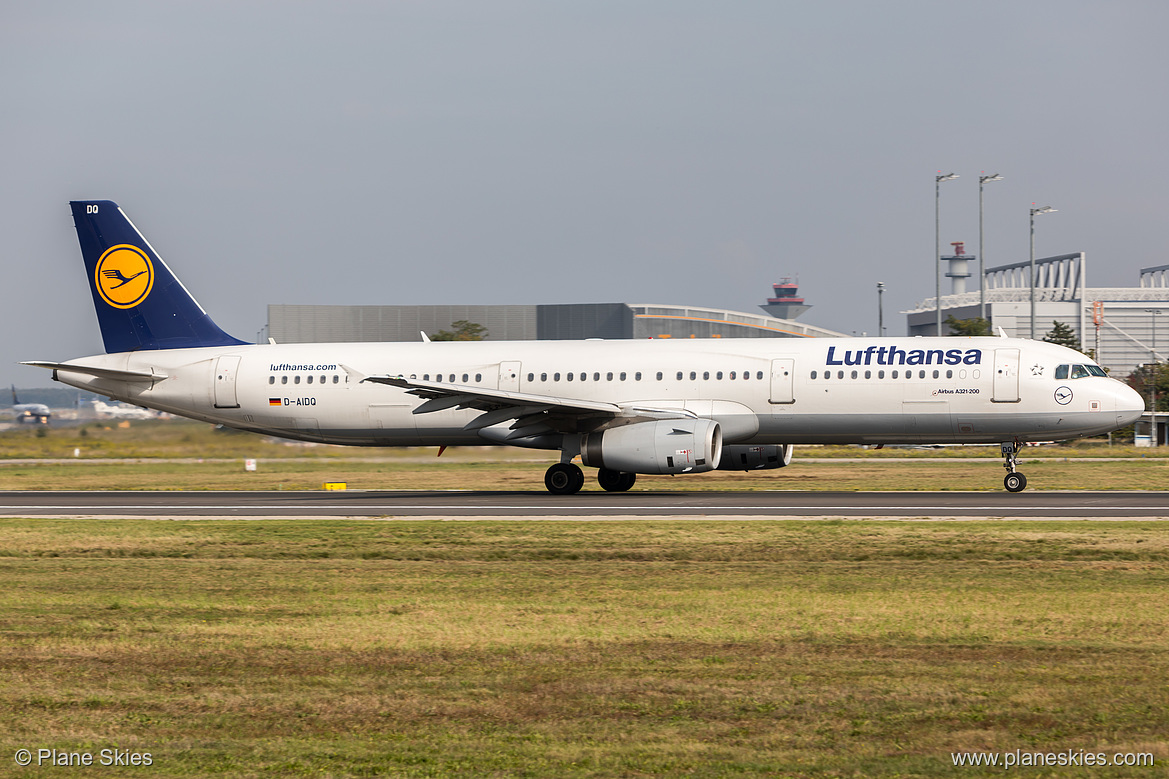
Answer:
(567, 479)
(564, 479)
(1014, 481)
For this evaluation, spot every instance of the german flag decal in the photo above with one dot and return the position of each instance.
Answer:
(274, 401)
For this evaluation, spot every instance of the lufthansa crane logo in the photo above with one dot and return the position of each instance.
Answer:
(124, 276)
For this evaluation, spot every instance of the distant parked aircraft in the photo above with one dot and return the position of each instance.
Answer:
(30, 412)
(122, 411)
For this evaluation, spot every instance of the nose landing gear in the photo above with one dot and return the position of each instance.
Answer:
(1014, 481)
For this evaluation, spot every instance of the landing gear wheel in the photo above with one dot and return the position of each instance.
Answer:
(1015, 482)
(564, 479)
(615, 481)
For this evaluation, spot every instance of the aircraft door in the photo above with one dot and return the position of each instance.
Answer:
(226, 368)
(782, 380)
(509, 376)
(1006, 376)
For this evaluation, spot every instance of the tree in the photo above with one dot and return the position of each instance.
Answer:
(1063, 335)
(462, 331)
(1149, 379)
(974, 326)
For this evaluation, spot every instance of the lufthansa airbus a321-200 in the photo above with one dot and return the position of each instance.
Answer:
(625, 407)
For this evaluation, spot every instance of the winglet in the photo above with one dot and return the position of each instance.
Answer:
(1002, 332)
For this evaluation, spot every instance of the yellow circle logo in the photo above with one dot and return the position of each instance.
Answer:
(124, 276)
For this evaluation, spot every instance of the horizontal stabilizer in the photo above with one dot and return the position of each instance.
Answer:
(101, 373)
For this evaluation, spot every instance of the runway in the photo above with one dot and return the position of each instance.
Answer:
(587, 505)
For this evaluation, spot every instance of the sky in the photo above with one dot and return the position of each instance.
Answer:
(408, 152)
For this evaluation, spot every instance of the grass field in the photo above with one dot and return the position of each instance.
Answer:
(214, 460)
(361, 648)
(1046, 474)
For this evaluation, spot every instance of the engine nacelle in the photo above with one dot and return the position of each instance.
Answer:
(755, 458)
(660, 446)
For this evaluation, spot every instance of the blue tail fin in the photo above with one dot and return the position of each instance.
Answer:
(140, 304)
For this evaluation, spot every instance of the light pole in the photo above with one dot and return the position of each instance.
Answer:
(982, 252)
(880, 309)
(938, 179)
(1156, 439)
(1034, 211)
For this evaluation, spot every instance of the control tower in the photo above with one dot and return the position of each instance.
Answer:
(959, 271)
(785, 304)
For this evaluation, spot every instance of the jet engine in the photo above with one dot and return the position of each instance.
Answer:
(755, 458)
(659, 446)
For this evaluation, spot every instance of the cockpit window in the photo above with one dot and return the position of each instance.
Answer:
(1078, 371)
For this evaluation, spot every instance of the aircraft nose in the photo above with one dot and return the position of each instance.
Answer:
(1129, 405)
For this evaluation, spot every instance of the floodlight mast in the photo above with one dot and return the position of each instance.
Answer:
(982, 180)
(938, 179)
(1035, 211)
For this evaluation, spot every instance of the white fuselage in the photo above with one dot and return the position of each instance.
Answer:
(864, 390)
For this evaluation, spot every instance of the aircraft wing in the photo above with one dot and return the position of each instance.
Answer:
(532, 413)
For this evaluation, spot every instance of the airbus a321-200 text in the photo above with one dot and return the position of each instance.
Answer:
(625, 407)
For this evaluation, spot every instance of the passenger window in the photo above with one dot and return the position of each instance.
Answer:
(412, 377)
(719, 375)
(1061, 372)
(479, 377)
(937, 374)
(854, 374)
(296, 380)
(337, 378)
(609, 376)
(733, 376)
(921, 374)
(531, 377)
(949, 374)
(880, 374)
(679, 375)
(706, 375)
(568, 377)
(868, 374)
(555, 377)
(271, 379)
(597, 376)
(693, 375)
(466, 378)
(310, 380)
(893, 375)
(622, 377)
(637, 376)
(759, 375)
(323, 379)
(840, 374)
(283, 379)
(659, 375)
(813, 374)
(425, 377)
(543, 377)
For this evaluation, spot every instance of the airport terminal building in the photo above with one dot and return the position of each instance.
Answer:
(1125, 326)
(573, 321)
